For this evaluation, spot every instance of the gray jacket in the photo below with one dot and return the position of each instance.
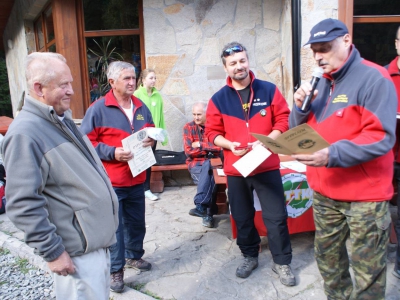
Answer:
(57, 193)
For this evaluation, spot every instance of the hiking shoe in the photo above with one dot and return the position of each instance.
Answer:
(396, 273)
(117, 281)
(245, 269)
(285, 274)
(149, 195)
(139, 264)
(198, 211)
(208, 221)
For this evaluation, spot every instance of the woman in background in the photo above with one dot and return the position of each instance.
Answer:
(152, 98)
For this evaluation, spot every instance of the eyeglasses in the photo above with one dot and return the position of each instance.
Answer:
(232, 50)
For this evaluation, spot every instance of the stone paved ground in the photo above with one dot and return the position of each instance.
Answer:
(194, 262)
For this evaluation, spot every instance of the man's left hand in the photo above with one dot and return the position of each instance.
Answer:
(148, 142)
(317, 159)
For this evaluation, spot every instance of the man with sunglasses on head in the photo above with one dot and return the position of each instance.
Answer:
(243, 106)
(354, 109)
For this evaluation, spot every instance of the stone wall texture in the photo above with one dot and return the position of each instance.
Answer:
(183, 40)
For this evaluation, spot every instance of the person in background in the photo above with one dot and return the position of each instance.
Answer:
(199, 151)
(394, 71)
(243, 106)
(58, 192)
(107, 122)
(147, 92)
(354, 109)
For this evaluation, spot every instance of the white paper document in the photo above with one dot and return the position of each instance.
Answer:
(248, 162)
(294, 165)
(143, 157)
(157, 134)
(221, 172)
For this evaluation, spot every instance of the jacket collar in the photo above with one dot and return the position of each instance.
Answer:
(42, 110)
(338, 74)
(393, 69)
(110, 100)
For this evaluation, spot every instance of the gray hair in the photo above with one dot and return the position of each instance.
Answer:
(39, 67)
(115, 68)
(202, 104)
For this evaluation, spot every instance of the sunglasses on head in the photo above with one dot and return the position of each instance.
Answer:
(232, 50)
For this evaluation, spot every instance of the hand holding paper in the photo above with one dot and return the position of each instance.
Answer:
(301, 139)
(247, 163)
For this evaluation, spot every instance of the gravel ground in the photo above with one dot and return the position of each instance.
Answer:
(21, 280)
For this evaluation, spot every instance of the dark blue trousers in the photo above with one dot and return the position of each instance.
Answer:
(203, 177)
(268, 186)
(132, 226)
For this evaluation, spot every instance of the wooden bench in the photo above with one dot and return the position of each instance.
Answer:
(157, 182)
(156, 179)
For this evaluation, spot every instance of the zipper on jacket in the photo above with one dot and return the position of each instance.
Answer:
(246, 115)
(329, 98)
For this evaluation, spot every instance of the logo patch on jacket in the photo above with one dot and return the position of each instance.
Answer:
(139, 117)
(340, 99)
(256, 102)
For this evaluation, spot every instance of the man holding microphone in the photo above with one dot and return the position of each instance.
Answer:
(354, 109)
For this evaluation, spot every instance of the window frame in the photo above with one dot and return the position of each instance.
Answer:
(346, 14)
(42, 20)
(101, 33)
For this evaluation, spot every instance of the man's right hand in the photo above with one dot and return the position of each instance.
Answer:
(62, 265)
(301, 93)
(122, 155)
(236, 152)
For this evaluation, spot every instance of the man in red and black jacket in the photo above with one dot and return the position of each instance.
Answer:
(354, 109)
(243, 106)
(198, 151)
(394, 71)
(107, 122)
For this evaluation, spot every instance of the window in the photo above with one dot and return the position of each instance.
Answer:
(44, 32)
(113, 30)
(374, 26)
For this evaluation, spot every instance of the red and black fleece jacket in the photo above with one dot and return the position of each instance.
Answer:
(267, 111)
(355, 111)
(106, 125)
(394, 72)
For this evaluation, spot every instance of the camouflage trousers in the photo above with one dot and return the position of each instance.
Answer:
(366, 225)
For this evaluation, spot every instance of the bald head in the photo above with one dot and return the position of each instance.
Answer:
(199, 113)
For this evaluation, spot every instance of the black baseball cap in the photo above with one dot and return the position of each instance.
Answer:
(326, 31)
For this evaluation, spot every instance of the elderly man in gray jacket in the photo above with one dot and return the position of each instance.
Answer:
(58, 192)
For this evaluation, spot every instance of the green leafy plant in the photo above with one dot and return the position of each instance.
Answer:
(105, 55)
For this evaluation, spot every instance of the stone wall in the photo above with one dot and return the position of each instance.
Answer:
(183, 41)
(19, 40)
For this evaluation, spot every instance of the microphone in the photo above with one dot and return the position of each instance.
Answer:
(317, 74)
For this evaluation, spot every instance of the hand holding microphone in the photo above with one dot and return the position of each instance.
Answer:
(316, 76)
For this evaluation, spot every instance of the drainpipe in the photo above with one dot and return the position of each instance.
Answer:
(296, 42)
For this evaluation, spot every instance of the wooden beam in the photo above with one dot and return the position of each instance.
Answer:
(67, 44)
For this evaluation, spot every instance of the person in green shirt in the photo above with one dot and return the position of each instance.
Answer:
(150, 96)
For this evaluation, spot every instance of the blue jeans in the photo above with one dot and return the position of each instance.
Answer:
(132, 226)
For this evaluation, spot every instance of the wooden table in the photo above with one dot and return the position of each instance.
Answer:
(4, 123)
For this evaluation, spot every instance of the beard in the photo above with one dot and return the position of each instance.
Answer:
(241, 76)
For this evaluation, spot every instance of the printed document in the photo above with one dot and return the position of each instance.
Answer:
(143, 157)
(301, 139)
